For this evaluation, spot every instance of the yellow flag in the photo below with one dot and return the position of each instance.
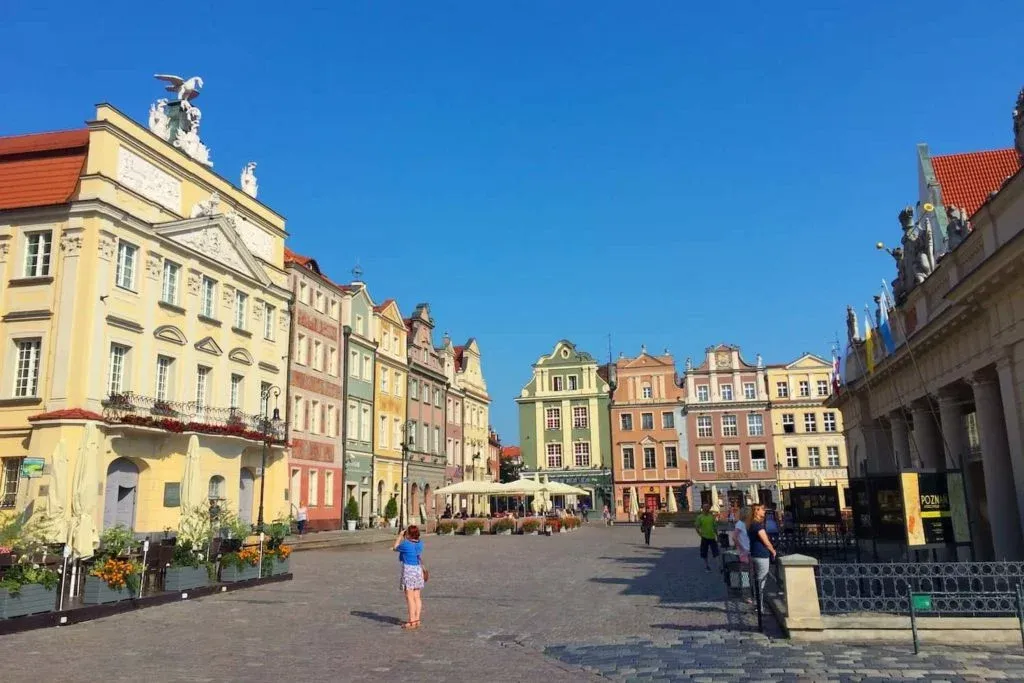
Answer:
(869, 346)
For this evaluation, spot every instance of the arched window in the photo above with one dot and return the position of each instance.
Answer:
(216, 490)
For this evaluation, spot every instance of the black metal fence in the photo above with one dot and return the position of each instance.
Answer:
(826, 545)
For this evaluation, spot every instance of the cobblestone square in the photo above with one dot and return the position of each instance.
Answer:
(593, 605)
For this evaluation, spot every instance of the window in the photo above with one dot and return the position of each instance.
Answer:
(384, 380)
(646, 420)
(352, 423)
(749, 391)
(414, 390)
(554, 455)
(268, 322)
(367, 368)
(209, 292)
(397, 347)
(437, 440)
(758, 460)
(552, 418)
(398, 383)
(318, 355)
(805, 388)
(396, 430)
(704, 429)
(318, 301)
(726, 391)
(702, 393)
(573, 382)
(332, 361)
(823, 387)
(359, 325)
(671, 458)
(788, 425)
(626, 420)
(163, 377)
(300, 349)
(297, 413)
(241, 309)
(782, 389)
(127, 254)
(202, 385)
(215, 489)
(437, 397)
(810, 422)
(732, 460)
(668, 420)
(412, 432)
(37, 253)
(328, 488)
(314, 488)
(556, 383)
(832, 453)
(792, 459)
(627, 458)
(118, 360)
(364, 424)
(353, 363)
(829, 422)
(707, 461)
(580, 417)
(383, 436)
(650, 458)
(581, 454)
(303, 293)
(236, 391)
(729, 426)
(813, 456)
(172, 275)
(448, 410)
(645, 391)
(26, 378)
(755, 425)
(10, 478)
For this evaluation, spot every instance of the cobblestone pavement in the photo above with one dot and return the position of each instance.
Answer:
(594, 605)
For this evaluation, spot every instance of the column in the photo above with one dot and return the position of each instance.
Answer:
(1003, 512)
(1011, 418)
(926, 442)
(900, 438)
(954, 434)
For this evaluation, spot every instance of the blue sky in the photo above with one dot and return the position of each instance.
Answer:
(671, 175)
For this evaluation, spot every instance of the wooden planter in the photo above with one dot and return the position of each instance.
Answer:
(97, 592)
(280, 567)
(183, 578)
(31, 599)
(474, 532)
(230, 574)
(503, 532)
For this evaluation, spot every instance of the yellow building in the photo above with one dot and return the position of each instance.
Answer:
(810, 448)
(144, 294)
(469, 379)
(389, 403)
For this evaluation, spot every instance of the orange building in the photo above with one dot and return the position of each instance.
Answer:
(645, 417)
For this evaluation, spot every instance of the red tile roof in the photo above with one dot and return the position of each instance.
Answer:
(458, 356)
(291, 257)
(510, 452)
(380, 307)
(67, 414)
(41, 169)
(968, 179)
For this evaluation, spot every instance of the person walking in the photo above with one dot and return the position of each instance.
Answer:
(707, 529)
(647, 524)
(301, 515)
(762, 552)
(414, 576)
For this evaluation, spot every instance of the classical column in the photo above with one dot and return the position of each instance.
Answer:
(1008, 388)
(900, 438)
(1003, 512)
(927, 443)
(954, 433)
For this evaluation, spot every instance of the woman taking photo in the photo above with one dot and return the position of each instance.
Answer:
(410, 552)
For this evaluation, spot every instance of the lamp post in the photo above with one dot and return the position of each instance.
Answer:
(266, 423)
(402, 513)
(476, 459)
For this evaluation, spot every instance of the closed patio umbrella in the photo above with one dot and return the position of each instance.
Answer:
(634, 505)
(672, 507)
(715, 507)
(191, 483)
(83, 536)
(57, 495)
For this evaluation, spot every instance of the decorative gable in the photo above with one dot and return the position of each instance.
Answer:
(240, 355)
(212, 237)
(209, 345)
(170, 333)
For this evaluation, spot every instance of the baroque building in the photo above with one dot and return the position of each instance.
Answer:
(475, 420)
(455, 452)
(389, 405)
(427, 392)
(358, 430)
(145, 324)
(564, 423)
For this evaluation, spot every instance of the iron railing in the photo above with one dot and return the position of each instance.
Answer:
(146, 411)
(827, 545)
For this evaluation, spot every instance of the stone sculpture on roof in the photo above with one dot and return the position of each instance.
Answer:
(915, 258)
(177, 121)
(1018, 126)
(248, 180)
(957, 226)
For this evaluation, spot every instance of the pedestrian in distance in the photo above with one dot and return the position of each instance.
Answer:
(301, 515)
(409, 547)
(707, 529)
(762, 552)
(647, 524)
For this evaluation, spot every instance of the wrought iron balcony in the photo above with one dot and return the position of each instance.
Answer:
(129, 408)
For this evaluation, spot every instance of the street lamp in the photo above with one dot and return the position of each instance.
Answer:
(402, 514)
(268, 422)
(476, 458)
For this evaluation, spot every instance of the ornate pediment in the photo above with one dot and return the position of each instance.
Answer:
(209, 345)
(170, 333)
(214, 238)
(240, 355)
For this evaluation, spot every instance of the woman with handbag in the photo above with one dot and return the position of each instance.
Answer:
(414, 575)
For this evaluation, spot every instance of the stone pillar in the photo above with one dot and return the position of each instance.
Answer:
(900, 438)
(954, 433)
(1011, 418)
(1003, 511)
(927, 442)
(800, 593)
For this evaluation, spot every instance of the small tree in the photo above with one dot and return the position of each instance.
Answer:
(352, 509)
(391, 509)
(509, 470)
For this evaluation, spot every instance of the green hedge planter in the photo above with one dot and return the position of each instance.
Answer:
(31, 599)
(183, 578)
(232, 574)
(97, 592)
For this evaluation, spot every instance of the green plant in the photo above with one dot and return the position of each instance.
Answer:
(24, 573)
(232, 526)
(352, 510)
(249, 556)
(472, 526)
(446, 526)
(391, 509)
(503, 524)
(531, 525)
(116, 541)
(276, 532)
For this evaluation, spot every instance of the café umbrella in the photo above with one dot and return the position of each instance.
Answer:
(191, 483)
(83, 536)
(57, 494)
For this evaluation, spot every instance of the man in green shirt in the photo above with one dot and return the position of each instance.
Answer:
(707, 529)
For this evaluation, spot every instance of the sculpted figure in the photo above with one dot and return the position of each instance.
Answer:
(957, 227)
(851, 324)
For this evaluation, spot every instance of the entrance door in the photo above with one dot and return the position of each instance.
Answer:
(246, 488)
(120, 494)
(652, 501)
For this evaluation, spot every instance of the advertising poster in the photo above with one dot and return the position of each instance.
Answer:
(32, 467)
(912, 506)
(861, 503)
(936, 509)
(958, 507)
(887, 507)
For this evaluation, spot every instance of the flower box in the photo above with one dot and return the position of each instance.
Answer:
(231, 574)
(31, 599)
(280, 567)
(183, 578)
(97, 592)
(504, 532)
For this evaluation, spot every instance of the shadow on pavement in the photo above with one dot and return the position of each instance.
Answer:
(374, 616)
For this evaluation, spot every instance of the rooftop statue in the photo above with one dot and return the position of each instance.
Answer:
(1018, 125)
(851, 324)
(248, 180)
(957, 227)
(186, 89)
(177, 121)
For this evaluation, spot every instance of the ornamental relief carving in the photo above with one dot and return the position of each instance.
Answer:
(5, 247)
(194, 280)
(228, 295)
(257, 310)
(141, 176)
(283, 321)
(210, 242)
(108, 243)
(70, 243)
(153, 266)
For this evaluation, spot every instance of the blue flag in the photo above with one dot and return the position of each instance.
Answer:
(884, 330)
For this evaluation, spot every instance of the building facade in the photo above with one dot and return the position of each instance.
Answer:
(455, 452)
(428, 393)
(645, 453)
(144, 303)
(314, 393)
(564, 423)
(493, 456)
(808, 435)
(389, 405)
(358, 388)
(469, 379)
(731, 451)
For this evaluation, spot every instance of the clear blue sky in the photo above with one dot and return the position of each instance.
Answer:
(671, 175)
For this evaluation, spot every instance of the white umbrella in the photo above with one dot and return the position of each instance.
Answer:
(82, 535)
(672, 507)
(57, 494)
(634, 505)
(423, 513)
(191, 485)
(521, 486)
(715, 507)
(559, 489)
(470, 488)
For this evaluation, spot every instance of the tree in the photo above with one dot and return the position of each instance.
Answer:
(509, 470)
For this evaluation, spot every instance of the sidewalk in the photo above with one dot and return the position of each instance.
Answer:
(316, 540)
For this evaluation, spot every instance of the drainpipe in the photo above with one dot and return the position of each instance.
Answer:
(346, 333)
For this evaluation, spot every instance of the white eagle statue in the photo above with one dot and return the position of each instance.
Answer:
(186, 89)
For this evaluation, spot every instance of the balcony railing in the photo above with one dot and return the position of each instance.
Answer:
(129, 408)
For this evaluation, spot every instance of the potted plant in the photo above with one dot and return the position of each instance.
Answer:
(552, 526)
(446, 527)
(351, 514)
(391, 511)
(162, 408)
(26, 586)
(189, 567)
(473, 527)
(240, 565)
(531, 526)
(115, 574)
(504, 526)
(275, 552)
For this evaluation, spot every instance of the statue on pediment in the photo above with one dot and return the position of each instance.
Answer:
(851, 324)
(207, 207)
(248, 180)
(177, 121)
(159, 121)
(957, 227)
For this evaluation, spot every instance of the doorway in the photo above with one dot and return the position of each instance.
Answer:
(246, 488)
(120, 494)
(652, 501)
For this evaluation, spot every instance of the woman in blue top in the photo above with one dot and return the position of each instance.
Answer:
(410, 552)
(762, 552)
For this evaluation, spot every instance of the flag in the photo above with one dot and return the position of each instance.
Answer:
(884, 330)
(869, 343)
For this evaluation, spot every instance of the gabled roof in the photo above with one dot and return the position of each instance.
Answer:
(968, 179)
(41, 169)
(379, 308)
(298, 259)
